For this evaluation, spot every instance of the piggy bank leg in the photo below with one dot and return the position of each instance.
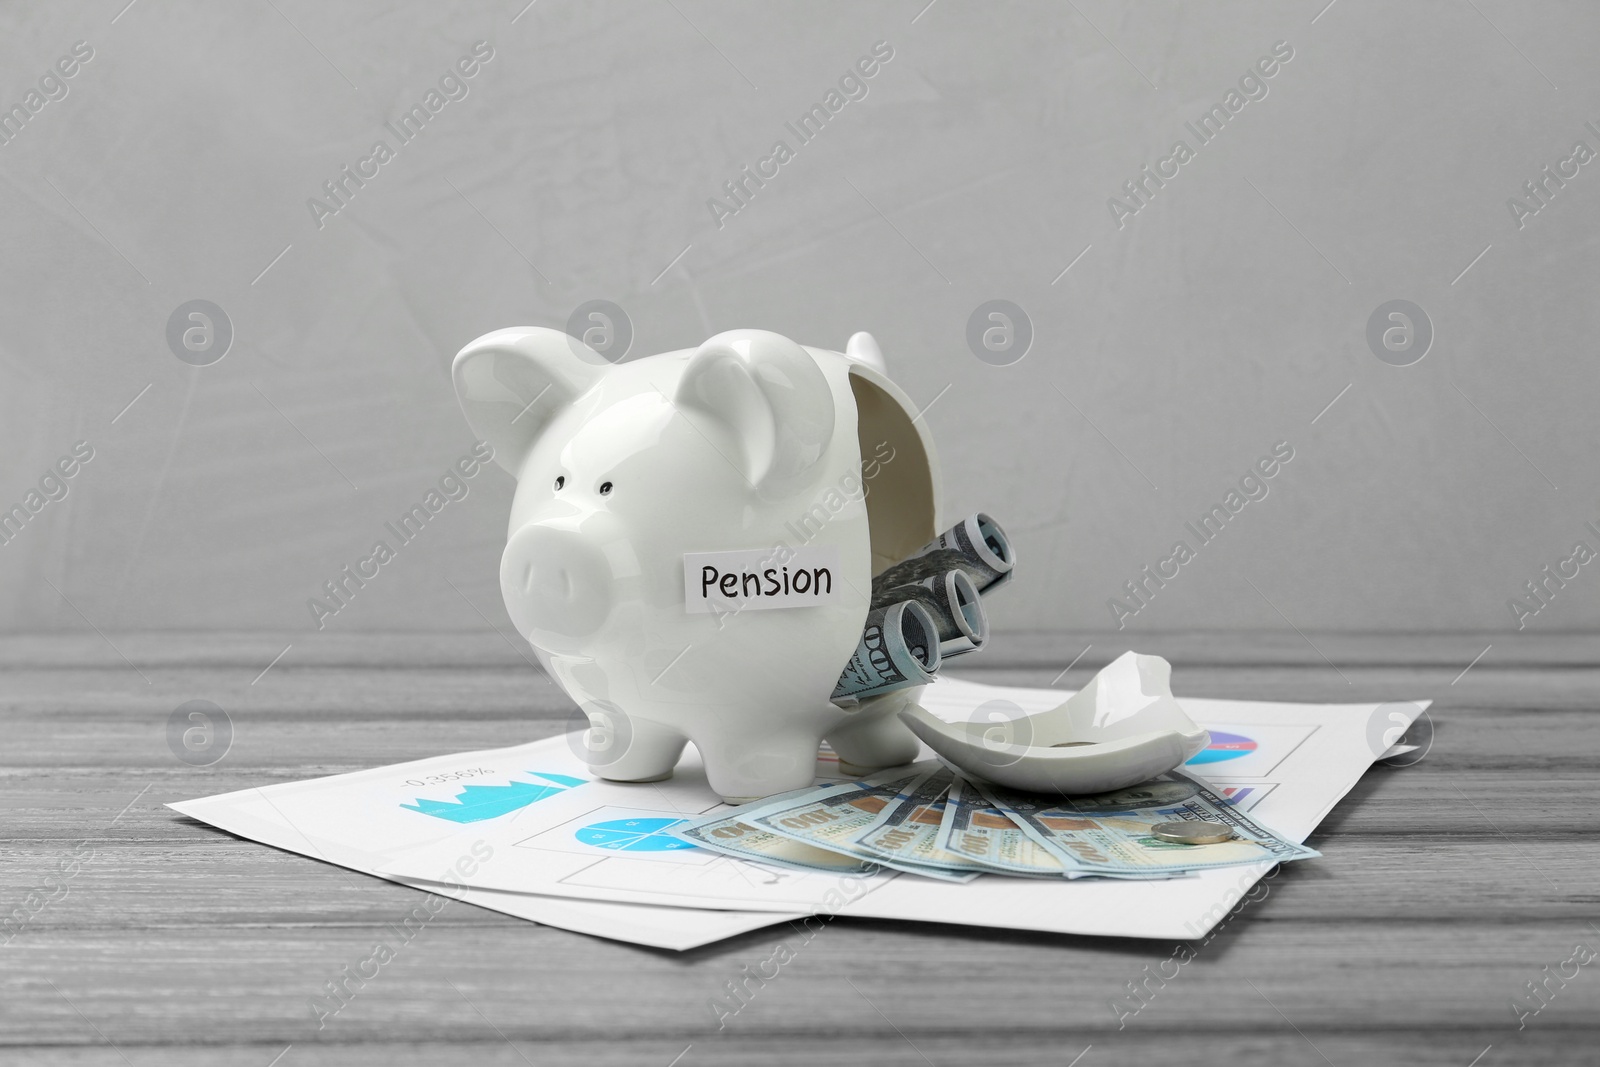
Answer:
(871, 737)
(746, 765)
(650, 751)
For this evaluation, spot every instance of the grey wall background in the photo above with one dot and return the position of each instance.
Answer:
(1222, 318)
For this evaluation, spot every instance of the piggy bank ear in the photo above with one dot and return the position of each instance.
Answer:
(511, 383)
(764, 396)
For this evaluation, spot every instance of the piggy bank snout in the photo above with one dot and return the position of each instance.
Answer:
(557, 584)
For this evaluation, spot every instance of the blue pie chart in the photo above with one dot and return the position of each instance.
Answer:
(632, 835)
(1224, 746)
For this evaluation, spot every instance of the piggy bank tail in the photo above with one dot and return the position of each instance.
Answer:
(863, 348)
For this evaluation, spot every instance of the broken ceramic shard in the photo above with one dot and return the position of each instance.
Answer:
(1123, 728)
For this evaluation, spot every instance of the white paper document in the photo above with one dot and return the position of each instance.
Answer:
(339, 836)
(527, 830)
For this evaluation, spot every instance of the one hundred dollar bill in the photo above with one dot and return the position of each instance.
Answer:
(726, 832)
(973, 827)
(899, 648)
(976, 545)
(907, 830)
(955, 604)
(832, 816)
(1119, 843)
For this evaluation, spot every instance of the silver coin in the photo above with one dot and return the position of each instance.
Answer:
(1192, 833)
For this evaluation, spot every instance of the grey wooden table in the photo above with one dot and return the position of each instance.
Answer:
(146, 938)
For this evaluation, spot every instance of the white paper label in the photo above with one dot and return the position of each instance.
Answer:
(756, 579)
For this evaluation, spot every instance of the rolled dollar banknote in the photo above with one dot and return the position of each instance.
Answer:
(953, 601)
(976, 545)
(899, 648)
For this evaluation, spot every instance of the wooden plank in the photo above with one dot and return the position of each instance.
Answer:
(1042, 649)
(617, 1046)
(542, 984)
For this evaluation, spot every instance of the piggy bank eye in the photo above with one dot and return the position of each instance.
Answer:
(605, 488)
(561, 479)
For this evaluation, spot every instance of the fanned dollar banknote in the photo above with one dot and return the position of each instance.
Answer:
(926, 819)
(726, 832)
(833, 816)
(1110, 835)
(973, 827)
(907, 830)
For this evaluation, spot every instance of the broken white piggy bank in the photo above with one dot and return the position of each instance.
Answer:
(1121, 729)
(693, 539)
